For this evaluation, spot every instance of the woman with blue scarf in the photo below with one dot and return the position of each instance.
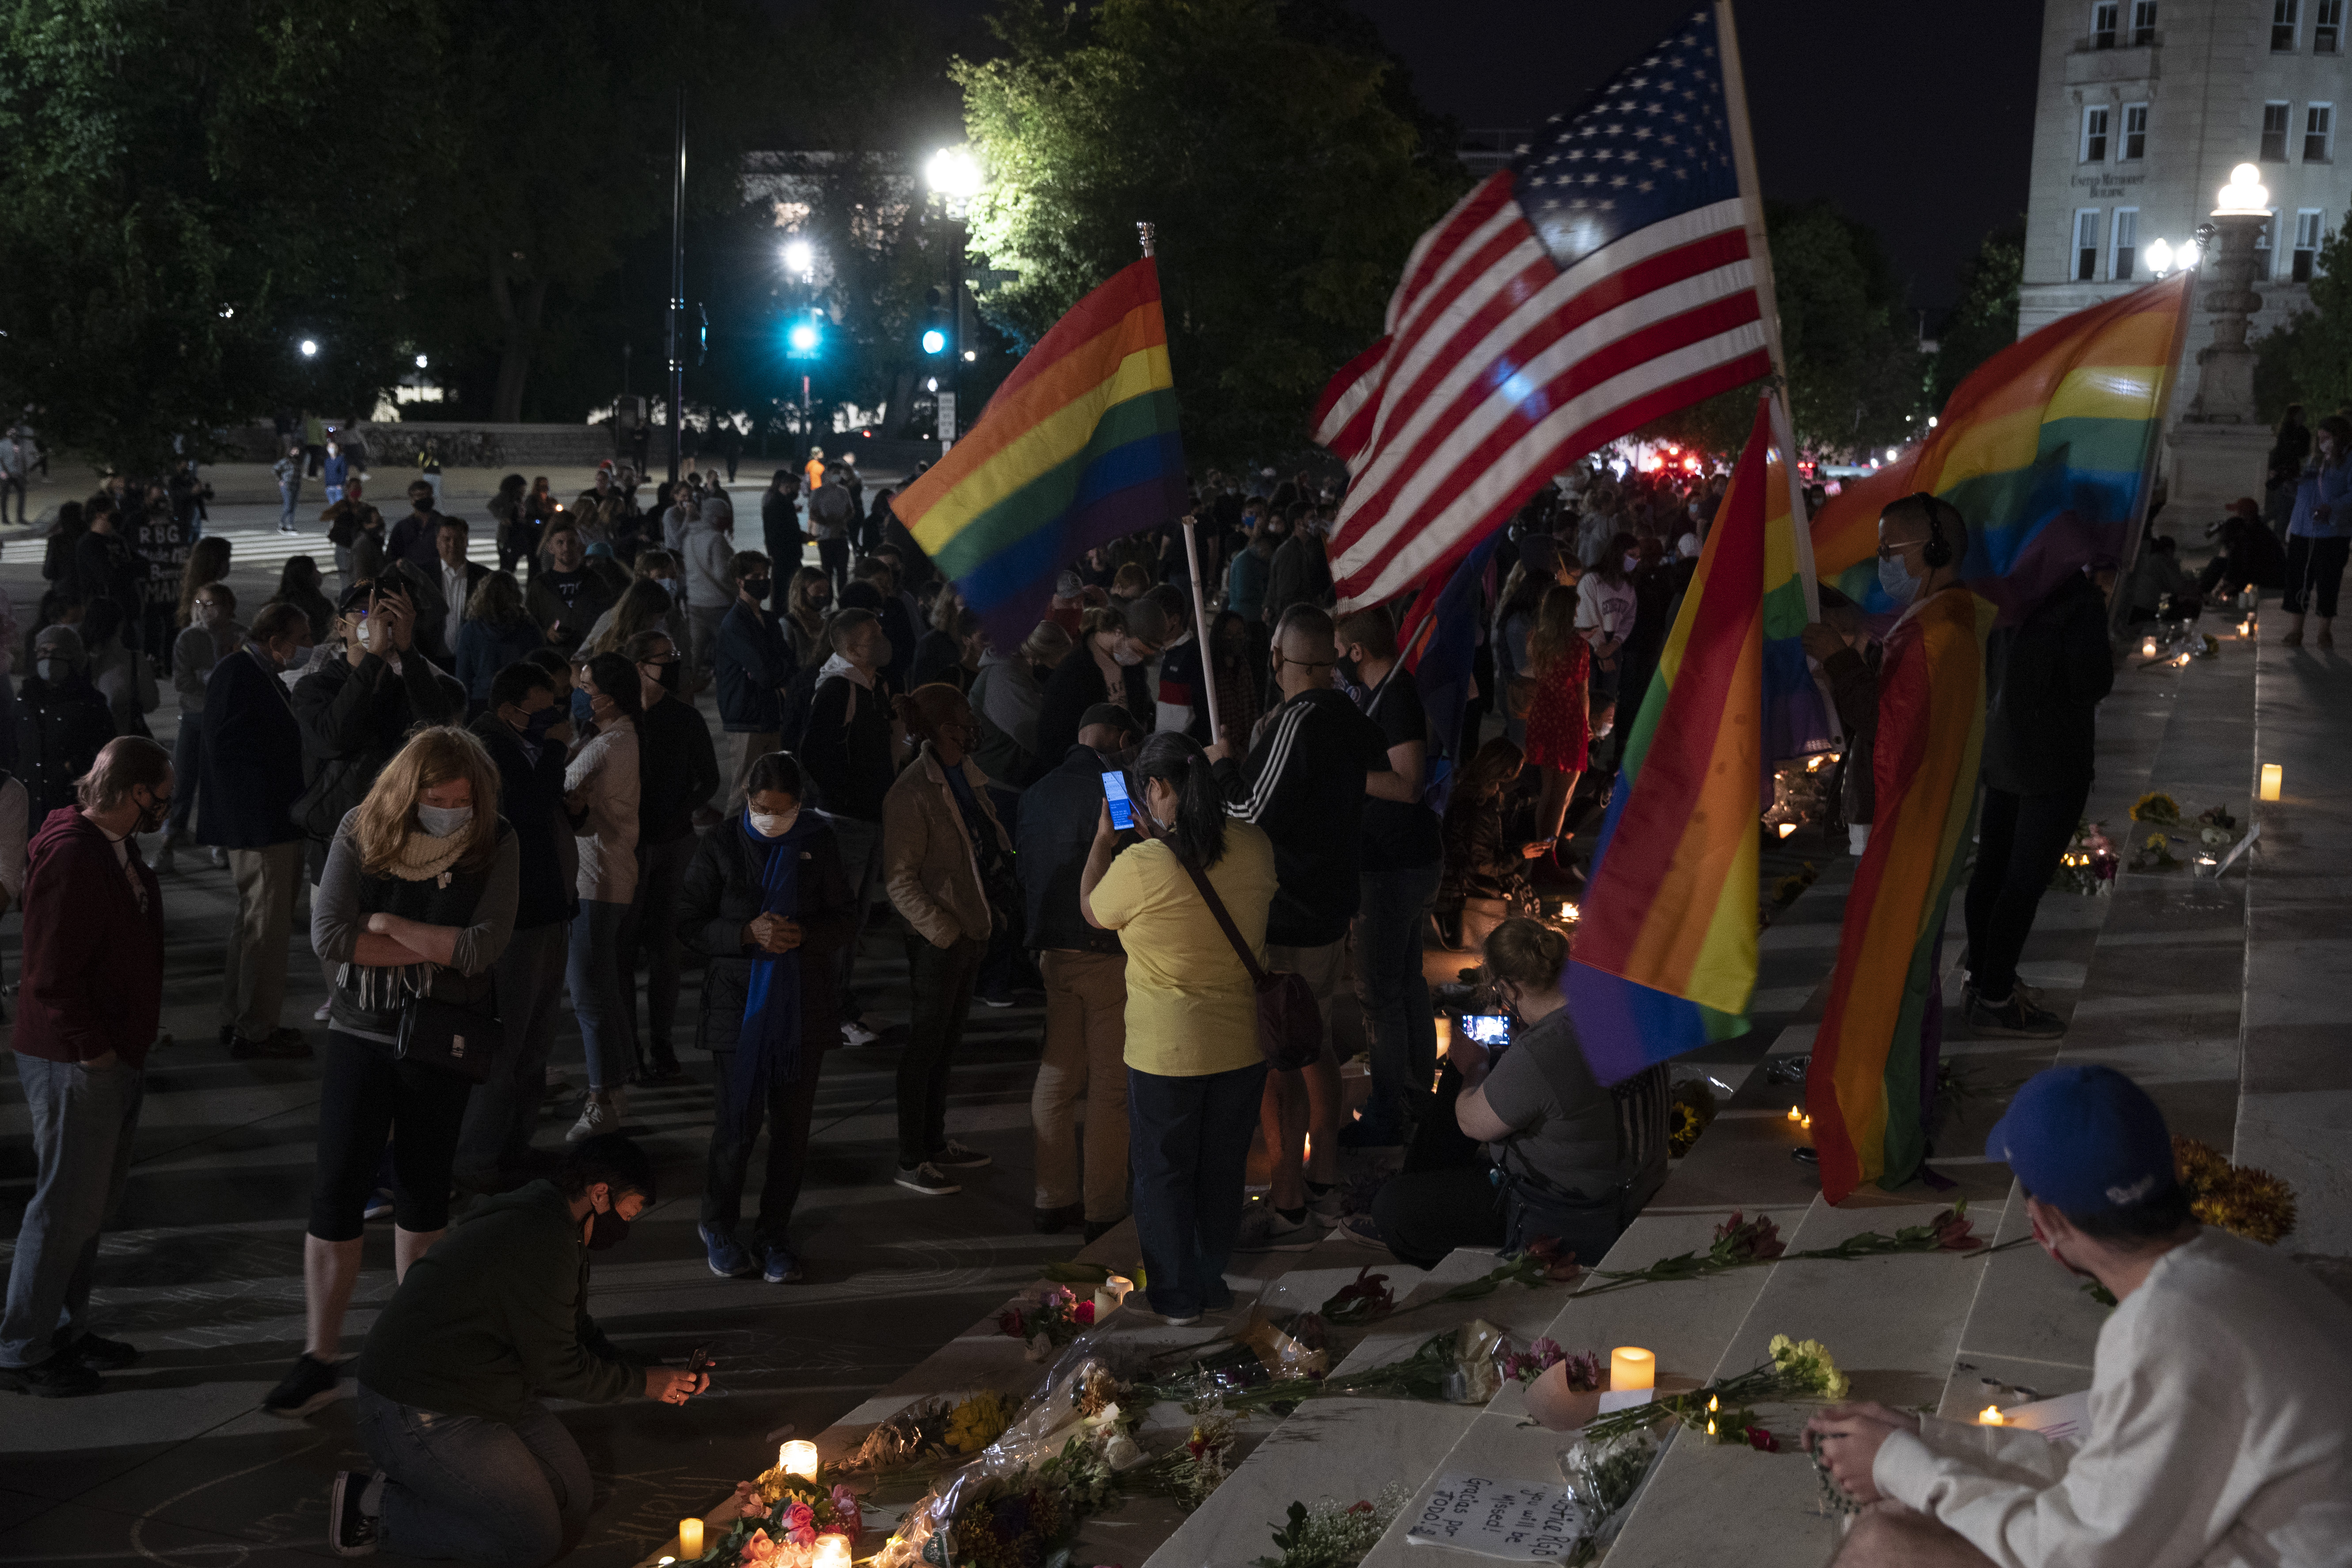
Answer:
(765, 888)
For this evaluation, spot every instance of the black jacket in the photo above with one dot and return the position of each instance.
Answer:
(60, 725)
(531, 797)
(2041, 729)
(354, 719)
(723, 894)
(106, 566)
(678, 770)
(1057, 822)
(845, 747)
(1303, 782)
(1076, 685)
(251, 759)
(754, 663)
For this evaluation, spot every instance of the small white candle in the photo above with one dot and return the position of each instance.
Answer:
(1632, 1368)
(1110, 1294)
(2274, 780)
(798, 1458)
(689, 1538)
(832, 1551)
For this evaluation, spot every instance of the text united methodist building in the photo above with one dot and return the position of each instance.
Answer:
(2143, 109)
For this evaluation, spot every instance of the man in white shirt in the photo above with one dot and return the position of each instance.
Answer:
(459, 577)
(2217, 1433)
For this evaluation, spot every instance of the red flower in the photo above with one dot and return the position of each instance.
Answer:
(1360, 1506)
(1758, 1438)
(1009, 1321)
(1083, 1312)
(1952, 1229)
(1749, 1241)
(799, 1524)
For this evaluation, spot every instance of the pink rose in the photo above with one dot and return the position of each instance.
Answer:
(846, 1511)
(758, 1548)
(1084, 1312)
(799, 1524)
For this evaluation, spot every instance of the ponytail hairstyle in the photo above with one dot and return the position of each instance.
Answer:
(930, 705)
(1176, 760)
(1526, 953)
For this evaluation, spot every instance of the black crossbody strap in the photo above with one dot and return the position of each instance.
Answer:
(1225, 921)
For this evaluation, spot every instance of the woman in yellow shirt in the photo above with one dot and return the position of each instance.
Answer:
(1195, 1073)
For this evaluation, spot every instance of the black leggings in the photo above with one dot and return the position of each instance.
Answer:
(2020, 838)
(2314, 569)
(365, 1096)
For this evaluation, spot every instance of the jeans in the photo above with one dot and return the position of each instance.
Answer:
(2315, 568)
(479, 1490)
(253, 979)
(832, 557)
(1394, 991)
(187, 763)
(939, 980)
(2019, 840)
(861, 862)
(289, 498)
(1424, 1215)
(1084, 1058)
(787, 1114)
(703, 621)
(607, 1032)
(85, 1121)
(367, 1095)
(651, 926)
(1189, 1146)
(503, 1111)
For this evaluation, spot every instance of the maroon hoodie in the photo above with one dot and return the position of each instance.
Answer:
(93, 978)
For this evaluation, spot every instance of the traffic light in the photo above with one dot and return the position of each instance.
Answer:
(805, 337)
(934, 340)
(935, 322)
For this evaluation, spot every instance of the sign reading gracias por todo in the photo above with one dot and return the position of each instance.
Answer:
(1520, 1521)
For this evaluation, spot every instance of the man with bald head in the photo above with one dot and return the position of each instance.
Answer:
(1309, 766)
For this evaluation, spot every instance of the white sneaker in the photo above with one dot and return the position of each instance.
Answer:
(600, 1113)
(326, 1011)
(1263, 1229)
(856, 1034)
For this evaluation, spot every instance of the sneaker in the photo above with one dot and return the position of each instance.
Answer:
(854, 1033)
(1265, 1228)
(1004, 1000)
(326, 1011)
(2016, 1017)
(781, 1267)
(926, 1179)
(59, 1377)
(954, 1156)
(599, 1113)
(1180, 1320)
(309, 1388)
(220, 858)
(101, 1355)
(1363, 1230)
(1053, 1221)
(724, 1254)
(378, 1204)
(279, 1045)
(351, 1527)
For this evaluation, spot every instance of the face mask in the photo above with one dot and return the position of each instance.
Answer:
(441, 821)
(769, 826)
(151, 814)
(206, 614)
(1895, 578)
(668, 585)
(583, 713)
(537, 725)
(756, 587)
(1126, 656)
(665, 676)
(47, 668)
(606, 1230)
(1633, 561)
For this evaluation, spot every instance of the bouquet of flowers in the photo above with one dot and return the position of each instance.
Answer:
(2089, 863)
(1585, 1373)
(1199, 1465)
(2156, 808)
(1689, 1111)
(1366, 1299)
(779, 1518)
(932, 1433)
(2154, 853)
(1056, 1319)
(1331, 1534)
(2240, 1199)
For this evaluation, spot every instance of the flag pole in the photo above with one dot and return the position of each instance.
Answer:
(1144, 235)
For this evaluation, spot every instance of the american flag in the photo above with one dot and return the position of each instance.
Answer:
(1603, 281)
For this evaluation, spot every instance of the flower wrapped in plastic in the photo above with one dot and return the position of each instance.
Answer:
(1603, 1475)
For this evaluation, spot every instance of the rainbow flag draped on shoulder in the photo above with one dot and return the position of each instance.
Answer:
(1077, 447)
(2045, 448)
(1665, 958)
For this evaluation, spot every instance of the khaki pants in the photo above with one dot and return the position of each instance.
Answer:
(253, 979)
(743, 751)
(1085, 1056)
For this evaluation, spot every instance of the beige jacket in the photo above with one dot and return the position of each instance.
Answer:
(927, 862)
(607, 770)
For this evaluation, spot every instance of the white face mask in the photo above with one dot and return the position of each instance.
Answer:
(1633, 561)
(1895, 578)
(47, 668)
(441, 821)
(1123, 653)
(776, 825)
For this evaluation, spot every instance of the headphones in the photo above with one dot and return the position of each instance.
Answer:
(1938, 552)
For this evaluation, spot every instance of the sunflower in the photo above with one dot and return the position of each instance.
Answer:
(2156, 807)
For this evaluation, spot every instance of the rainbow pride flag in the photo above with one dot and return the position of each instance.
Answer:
(1665, 958)
(2045, 448)
(1077, 447)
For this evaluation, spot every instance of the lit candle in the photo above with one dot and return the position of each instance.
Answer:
(1110, 1294)
(2273, 778)
(689, 1539)
(1808, 1122)
(1714, 1403)
(1991, 1416)
(1630, 1368)
(1787, 828)
(1444, 1037)
(832, 1551)
(2147, 648)
(798, 1458)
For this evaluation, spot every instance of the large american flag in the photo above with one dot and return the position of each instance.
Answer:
(1601, 280)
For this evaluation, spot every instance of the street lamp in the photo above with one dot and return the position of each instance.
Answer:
(800, 257)
(2160, 257)
(420, 362)
(309, 348)
(2244, 193)
(955, 175)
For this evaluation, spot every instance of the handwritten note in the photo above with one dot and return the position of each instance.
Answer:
(2060, 1420)
(1520, 1521)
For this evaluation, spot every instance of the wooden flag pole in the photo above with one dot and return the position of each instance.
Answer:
(1144, 233)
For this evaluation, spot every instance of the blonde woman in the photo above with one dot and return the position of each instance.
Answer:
(806, 604)
(418, 899)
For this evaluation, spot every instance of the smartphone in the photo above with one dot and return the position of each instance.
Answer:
(1122, 811)
(1487, 1028)
(700, 1361)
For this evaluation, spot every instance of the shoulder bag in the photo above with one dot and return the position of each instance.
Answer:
(449, 1037)
(1289, 1025)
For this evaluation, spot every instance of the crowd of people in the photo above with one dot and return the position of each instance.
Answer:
(498, 797)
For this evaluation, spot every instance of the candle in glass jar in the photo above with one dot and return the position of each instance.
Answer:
(689, 1539)
(832, 1551)
(2274, 780)
(798, 1458)
(1631, 1368)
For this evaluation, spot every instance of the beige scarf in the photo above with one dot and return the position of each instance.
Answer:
(425, 858)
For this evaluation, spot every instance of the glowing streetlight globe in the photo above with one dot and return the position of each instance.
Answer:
(420, 362)
(803, 337)
(2244, 193)
(799, 257)
(2159, 255)
(934, 340)
(309, 348)
(954, 174)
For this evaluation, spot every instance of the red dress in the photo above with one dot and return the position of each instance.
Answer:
(1559, 727)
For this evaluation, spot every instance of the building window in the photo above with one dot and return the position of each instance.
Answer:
(2327, 28)
(2285, 17)
(2103, 24)
(2087, 245)
(2095, 134)
(2262, 247)
(2306, 244)
(2274, 116)
(2125, 236)
(2318, 130)
(2143, 28)
(2134, 132)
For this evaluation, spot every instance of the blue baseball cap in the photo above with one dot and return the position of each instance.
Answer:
(2086, 1139)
